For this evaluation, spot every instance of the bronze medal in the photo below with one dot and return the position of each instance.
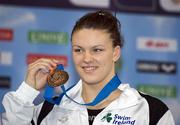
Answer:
(57, 78)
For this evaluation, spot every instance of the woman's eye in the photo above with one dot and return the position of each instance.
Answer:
(77, 50)
(98, 50)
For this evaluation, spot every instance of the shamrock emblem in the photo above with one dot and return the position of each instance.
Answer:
(107, 117)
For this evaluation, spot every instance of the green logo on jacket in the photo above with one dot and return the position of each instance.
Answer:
(107, 117)
(117, 119)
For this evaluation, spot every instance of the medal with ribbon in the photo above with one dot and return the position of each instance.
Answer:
(59, 77)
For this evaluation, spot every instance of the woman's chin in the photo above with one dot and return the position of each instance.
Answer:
(90, 80)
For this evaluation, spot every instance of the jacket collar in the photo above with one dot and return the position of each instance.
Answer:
(129, 97)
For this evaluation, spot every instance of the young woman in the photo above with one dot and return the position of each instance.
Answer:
(96, 46)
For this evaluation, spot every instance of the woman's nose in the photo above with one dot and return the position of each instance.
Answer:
(88, 57)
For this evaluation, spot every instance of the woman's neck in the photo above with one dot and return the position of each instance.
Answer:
(89, 92)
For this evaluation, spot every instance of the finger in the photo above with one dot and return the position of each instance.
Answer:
(44, 67)
(51, 61)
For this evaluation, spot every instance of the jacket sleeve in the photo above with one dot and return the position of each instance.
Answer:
(19, 107)
(166, 119)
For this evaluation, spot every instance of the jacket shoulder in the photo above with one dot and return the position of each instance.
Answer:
(157, 108)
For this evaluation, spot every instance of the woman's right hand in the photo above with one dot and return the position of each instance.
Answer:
(38, 71)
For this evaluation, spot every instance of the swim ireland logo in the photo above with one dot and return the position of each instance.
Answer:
(107, 118)
(118, 119)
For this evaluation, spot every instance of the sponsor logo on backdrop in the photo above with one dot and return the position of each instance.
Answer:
(138, 5)
(170, 5)
(158, 90)
(156, 67)
(91, 3)
(117, 119)
(6, 34)
(5, 58)
(141, 5)
(157, 44)
(5, 82)
(48, 37)
(31, 57)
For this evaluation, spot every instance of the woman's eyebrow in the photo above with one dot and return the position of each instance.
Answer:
(98, 45)
(94, 46)
(76, 46)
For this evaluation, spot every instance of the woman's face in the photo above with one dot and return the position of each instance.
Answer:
(94, 55)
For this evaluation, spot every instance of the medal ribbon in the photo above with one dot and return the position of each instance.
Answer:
(112, 85)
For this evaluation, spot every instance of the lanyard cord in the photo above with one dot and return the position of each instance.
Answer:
(105, 92)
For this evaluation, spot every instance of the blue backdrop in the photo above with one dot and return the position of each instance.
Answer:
(149, 61)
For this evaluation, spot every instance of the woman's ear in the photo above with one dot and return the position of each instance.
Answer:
(116, 53)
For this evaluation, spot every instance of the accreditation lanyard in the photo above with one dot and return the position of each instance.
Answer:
(112, 85)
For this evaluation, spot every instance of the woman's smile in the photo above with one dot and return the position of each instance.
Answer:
(89, 69)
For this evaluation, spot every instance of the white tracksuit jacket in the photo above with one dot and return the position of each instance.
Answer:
(129, 109)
